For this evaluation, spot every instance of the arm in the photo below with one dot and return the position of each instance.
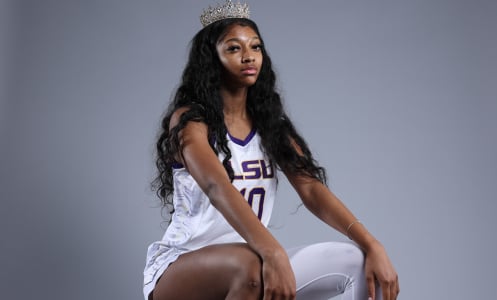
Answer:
(326, 206)
(205, 167)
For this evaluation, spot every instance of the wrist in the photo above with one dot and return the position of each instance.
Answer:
(357, 232)
(271, 252)
(370, 245)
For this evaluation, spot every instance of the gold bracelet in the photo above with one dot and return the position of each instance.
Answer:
(350, 226)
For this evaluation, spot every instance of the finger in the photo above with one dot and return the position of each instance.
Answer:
(371, 287)
(397, 287)
(393, 291)
(385, 288)
(267, 295)
(271, 294)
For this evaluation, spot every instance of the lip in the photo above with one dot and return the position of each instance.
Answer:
(249, 71)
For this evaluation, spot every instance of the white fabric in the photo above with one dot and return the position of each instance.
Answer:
(326, 270)
(197, 223)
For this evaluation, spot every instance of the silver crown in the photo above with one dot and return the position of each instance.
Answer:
(224, 11)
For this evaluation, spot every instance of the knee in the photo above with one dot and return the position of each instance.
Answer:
(247, 271)
(354, 257)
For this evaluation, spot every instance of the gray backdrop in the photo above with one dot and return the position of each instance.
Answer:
(398, 100)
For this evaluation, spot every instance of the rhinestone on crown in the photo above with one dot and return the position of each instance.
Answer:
(224, 11)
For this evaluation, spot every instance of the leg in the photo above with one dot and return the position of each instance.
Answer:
(326, 270)
(227, 271)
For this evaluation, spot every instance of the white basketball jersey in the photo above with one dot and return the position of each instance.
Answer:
(196, 223)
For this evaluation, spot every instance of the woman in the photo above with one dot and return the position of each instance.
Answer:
(224, 137)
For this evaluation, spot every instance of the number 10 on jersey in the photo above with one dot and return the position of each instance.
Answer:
(255, 199)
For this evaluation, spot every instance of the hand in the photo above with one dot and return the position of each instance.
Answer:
(378, 267)
(278, 277)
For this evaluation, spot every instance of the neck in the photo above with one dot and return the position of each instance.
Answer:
(234, 102)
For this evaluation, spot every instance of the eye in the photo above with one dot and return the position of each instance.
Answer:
(233, 48)
(257, 47)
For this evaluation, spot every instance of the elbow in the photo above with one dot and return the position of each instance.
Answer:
(210, 189)
(310, 198)
(310, 203)
(307, 198)
(213, 191)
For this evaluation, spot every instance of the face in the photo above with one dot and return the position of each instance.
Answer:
(240, 53)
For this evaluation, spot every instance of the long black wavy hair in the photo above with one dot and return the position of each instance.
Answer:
(199, 91)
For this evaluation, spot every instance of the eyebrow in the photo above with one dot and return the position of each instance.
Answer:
(238, 40)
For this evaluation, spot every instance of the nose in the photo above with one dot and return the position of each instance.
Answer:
(247, 58)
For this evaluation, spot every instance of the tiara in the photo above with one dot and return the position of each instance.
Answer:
(224, 11)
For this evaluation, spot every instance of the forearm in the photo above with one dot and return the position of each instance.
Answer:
(327, 207)
(231, 204)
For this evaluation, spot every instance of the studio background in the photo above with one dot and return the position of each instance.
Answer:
(397, 99)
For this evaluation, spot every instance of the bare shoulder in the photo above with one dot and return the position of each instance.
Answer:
(192, 131)
(175, 117)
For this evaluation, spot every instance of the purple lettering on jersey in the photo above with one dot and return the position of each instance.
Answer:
(252, 167)
(255, 169)
(236, 176)
(265, 169)
(260, 192)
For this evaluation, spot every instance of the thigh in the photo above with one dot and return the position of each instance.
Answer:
(210, 273)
